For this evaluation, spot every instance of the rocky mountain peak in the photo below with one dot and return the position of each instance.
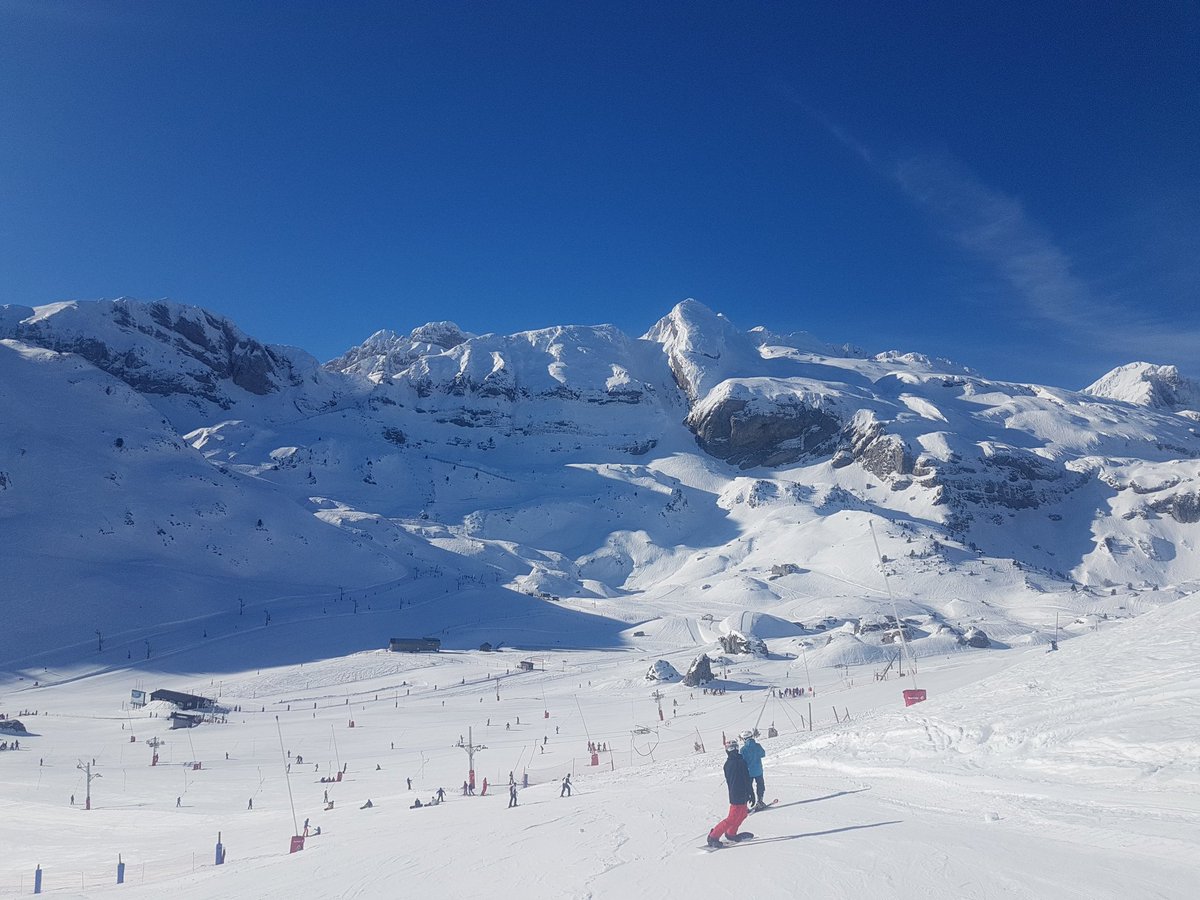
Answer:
(1146, 384)
(386, 353)
(703, 347)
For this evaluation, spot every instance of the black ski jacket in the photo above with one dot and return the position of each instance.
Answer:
(737, 777)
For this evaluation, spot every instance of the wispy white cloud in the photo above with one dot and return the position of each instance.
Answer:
(996, 230)
(1040, 275)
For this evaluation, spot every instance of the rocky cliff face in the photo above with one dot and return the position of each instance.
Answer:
(163, 349)
(597, 365)
(741, 431)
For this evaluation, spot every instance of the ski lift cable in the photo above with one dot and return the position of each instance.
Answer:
(912, 668)
(582, 719)
(287, 776)
(787, 713)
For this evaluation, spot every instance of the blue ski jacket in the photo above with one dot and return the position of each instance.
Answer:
(753, 753)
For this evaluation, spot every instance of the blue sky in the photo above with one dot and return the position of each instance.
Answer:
(1009, 185)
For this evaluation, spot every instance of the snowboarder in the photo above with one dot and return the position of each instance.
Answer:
(409, 780)
(250, 803)
(512, 795)
(753, 753)
(367, 805)
(178, 802)
(737, 779)
(441, 795)
(566, 786)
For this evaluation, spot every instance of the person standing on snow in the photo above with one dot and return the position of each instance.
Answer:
(753, 753)
(566, 786)
(737, 779)
(512, 795)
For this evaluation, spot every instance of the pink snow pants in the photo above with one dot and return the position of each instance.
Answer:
(730, 824)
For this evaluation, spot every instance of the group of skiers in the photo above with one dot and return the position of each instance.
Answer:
(744, 780)
(789, 693)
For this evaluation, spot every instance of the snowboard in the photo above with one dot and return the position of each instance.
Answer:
(742, 836)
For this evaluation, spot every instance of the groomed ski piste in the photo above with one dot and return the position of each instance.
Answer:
(1026, 773)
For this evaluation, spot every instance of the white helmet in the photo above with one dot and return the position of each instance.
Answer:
(746, 735)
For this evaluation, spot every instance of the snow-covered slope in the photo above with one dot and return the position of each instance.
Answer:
(1030, 774)
(110, 522)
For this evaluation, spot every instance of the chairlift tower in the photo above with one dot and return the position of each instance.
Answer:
(86, 769)
(472, 748)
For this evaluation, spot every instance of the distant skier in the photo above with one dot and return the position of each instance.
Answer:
(250, 803)
(441, 795)
(753, 753)
(409, 780)
(512, 795)
(737, 779)
(566, 786)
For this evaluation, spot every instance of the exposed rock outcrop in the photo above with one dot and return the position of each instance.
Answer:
(661, 670)
(699, 672)
(733, 431)
(737, 643)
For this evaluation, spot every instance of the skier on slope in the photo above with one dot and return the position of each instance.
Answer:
(753, 753)
(737, 779)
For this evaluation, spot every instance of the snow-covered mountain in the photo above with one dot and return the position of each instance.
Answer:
(699, 467)
(1145, 384)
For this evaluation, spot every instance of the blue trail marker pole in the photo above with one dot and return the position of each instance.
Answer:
(37, 880)
(120, 870)
(220, 850)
